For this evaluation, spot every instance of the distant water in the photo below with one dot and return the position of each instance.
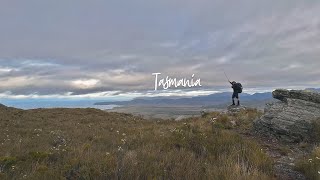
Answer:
(34, 104)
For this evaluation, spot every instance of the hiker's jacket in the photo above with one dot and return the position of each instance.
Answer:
(235, 87)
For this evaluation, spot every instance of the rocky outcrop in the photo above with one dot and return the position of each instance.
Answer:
(290, 119)
(235, 109)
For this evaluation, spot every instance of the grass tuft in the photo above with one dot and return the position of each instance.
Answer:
(310, 166)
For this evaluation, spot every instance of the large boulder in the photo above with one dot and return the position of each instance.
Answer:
(291, 118)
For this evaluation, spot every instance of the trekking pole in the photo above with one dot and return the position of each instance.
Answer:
(226, 75)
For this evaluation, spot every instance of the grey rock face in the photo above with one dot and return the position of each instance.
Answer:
(290, 119)
(283, 94)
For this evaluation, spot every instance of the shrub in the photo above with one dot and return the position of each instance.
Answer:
(7, 162)
(310, 166)
(39, 156)
(316, 131)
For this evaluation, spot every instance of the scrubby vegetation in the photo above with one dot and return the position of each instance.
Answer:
(310, 165)
(316, 131)
(92, 144)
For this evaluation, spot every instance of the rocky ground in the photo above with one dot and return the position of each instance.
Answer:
(284, 154)
(288, 129)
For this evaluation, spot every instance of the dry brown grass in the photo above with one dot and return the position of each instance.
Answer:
(310, 166)
(92, 144)
(316, 131)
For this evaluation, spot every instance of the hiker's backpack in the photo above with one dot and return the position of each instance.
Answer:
(239, 87)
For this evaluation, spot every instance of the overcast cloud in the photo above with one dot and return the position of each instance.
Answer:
(96, 48)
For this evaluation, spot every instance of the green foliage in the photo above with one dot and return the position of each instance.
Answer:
(39, 156)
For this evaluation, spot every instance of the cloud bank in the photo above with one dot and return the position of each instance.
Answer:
(111, 48)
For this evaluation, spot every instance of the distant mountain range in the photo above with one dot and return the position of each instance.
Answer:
(314, 89)
(208, 100)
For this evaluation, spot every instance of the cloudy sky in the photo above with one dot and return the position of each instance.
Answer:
(104, 48)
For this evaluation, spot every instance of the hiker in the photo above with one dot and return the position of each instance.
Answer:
(237, 88)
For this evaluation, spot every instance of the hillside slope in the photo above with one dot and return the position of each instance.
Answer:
(93, 144)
